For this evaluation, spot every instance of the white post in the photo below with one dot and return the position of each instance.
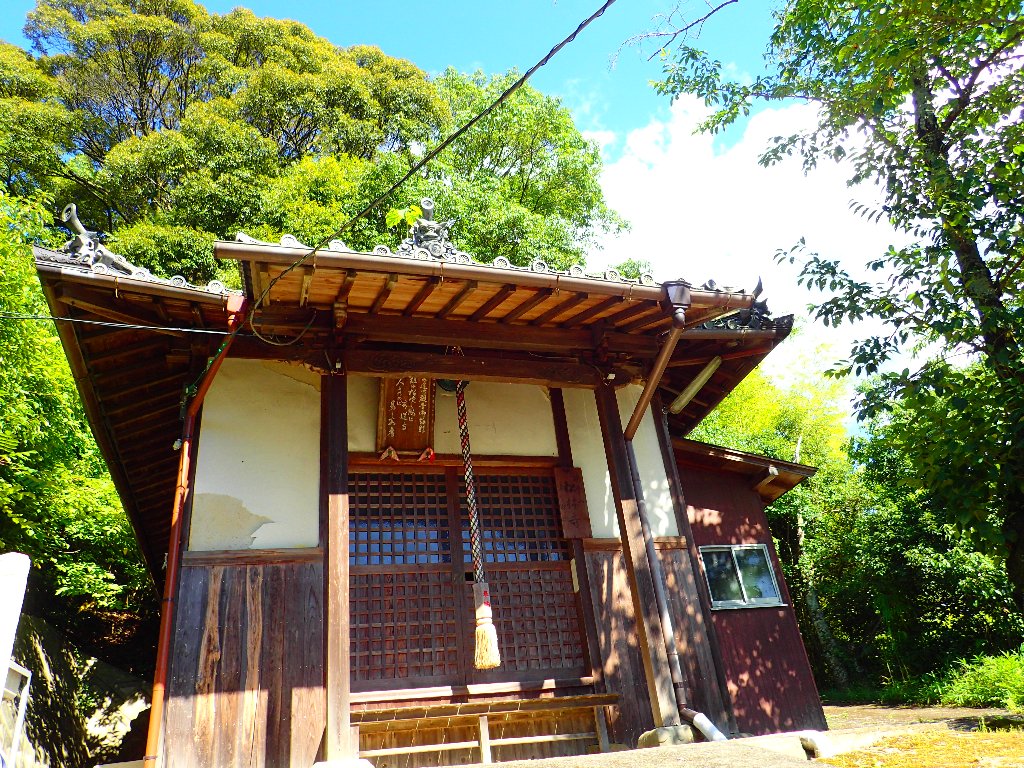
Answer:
(13, 577)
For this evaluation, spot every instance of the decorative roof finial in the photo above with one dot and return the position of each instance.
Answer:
(429, 234)
(88, 250)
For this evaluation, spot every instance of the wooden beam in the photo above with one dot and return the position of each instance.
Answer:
(128, 350)
(385, 291)
(397, 364)
(114, 394)
(657, 673)
(711, 681)
(639, 308)
(694, 334)
(256, 278)
(496, 300)
(539, 297)
(346, 286)
(264, 271)
(146, 403)
(760, 349)
(94, 303)
(457, 299)
(429, 286)
(149, 416)
(560, 309)
(307, 281)
(644, 321)
(578, 320)
(764, 479)
(334, 541)
(493, 335)
(584, 603)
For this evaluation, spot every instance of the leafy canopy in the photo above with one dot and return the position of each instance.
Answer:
(171, 126)
(923, 99)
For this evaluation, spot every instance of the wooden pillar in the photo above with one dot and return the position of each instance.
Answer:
(583, 599)
(709, 658)
(661, 692)
(334, 540)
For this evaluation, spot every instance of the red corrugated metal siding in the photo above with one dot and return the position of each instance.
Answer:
(766, 666)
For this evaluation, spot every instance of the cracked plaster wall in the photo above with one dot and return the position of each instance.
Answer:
(258, 468)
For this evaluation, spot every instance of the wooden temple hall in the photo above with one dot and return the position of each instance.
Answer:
(294, 464)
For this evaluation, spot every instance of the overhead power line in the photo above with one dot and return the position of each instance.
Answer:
(434, 152)
(110, 324)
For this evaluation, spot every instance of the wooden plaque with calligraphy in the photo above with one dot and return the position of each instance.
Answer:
(405, 418)
(572, 502)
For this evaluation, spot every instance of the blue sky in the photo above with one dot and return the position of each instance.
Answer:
(496, 36)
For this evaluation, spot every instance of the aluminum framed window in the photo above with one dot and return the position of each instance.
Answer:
(740, 576)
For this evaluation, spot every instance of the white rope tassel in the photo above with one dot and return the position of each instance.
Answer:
(487, 656)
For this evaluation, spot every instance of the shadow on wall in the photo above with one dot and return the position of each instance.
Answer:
(770, 686)
(80, 709)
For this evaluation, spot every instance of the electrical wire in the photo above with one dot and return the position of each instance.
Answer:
(110, 324)
(432, 154)
(192, 388)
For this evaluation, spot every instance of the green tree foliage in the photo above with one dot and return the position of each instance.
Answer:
(171, 127)
(924, 99)
(57, 503)
(908, 588)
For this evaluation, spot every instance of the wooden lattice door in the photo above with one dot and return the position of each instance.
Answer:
(410, 596)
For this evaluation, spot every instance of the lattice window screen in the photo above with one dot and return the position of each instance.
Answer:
(402, 590)
(519, 519)
(398, 519)
(406, 586)
(528, 571)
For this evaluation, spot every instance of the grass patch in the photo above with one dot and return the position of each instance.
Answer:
(984, 681)
(940, 749)
(987, 681)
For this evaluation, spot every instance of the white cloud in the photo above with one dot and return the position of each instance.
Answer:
(699, 212)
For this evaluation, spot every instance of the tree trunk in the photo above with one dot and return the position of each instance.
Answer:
(1001, 345)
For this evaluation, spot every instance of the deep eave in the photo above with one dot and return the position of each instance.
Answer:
(384, 315)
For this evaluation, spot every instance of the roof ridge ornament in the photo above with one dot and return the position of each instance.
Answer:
(86, 252)
(86, 248)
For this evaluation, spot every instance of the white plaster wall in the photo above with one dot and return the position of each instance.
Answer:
(363, 400)
(258, 468)
(588, 454)
(504, 419)
(653, 476)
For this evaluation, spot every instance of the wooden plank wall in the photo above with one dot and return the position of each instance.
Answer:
(705, 694)
(766, 666)
(619, 651)
(621, 663)
(246, 686)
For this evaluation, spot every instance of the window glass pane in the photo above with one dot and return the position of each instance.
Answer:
(722, 579)
(756, 574)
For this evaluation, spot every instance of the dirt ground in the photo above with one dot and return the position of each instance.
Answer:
(842, 716)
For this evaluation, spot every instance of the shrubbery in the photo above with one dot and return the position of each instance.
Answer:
(981, 681)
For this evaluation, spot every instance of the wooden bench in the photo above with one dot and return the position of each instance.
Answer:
(479, 714)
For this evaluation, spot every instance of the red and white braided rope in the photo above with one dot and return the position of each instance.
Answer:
(475, 544)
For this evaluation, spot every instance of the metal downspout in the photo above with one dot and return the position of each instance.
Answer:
(236, 305)
(679, 297)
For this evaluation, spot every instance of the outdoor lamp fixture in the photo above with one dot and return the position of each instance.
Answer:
(694, 386)
(678, 294)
